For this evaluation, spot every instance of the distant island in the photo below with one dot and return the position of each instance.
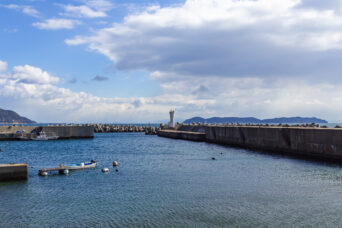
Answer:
(245, 120)
(8, 116)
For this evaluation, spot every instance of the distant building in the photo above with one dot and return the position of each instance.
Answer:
(172, 115)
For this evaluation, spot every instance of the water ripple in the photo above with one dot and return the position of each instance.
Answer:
(167, 183)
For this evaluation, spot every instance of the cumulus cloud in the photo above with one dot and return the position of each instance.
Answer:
(3, 66)
(28, 10)
(31, 75)
(90, 9)
(31, 88)
(264, 58)
(56, 24)
(227, 38)
(261, 58)
(217, 96)
(82, 11)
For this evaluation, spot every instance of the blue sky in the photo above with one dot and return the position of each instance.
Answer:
(21, 43)
(132, 61)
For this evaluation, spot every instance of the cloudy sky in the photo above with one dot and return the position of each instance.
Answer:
(133, 60)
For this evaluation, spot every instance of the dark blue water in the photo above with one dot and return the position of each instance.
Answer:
(167, 183)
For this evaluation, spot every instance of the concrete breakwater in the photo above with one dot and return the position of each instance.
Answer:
(108, 128)
(187, 135)
(31, 132)
(310, 142)
(62, 131)
(10, 172)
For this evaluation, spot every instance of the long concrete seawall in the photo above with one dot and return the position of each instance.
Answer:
(63, 132)
(193, 136)
(323, 143)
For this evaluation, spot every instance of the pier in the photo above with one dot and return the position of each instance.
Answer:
(60, 169)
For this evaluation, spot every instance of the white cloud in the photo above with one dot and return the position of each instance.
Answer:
(265, 58)
(257, 97)
(82, 11)
(101, 5)
(56, 24)
(31, 89)
(28, 10)
(3, 66)
(90, 9)
(31, 75)
(228, 38)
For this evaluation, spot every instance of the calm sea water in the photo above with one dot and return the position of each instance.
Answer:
(167, 183)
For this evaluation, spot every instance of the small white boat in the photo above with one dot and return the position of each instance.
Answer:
(53, 137)
(83, 165)
(42, 137)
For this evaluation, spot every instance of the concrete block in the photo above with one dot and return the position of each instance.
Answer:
(11, 172)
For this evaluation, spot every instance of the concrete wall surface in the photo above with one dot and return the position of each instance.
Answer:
(11, 172)
(63, 132)
(312, 142)
(309, 142)
(193, 136)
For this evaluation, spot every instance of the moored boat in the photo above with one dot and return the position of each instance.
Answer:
(64, 169)
(42, 137)
(83, 165)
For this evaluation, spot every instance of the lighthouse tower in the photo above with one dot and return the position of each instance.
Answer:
(172, 115)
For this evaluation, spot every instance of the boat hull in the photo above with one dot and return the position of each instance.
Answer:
(79, 166)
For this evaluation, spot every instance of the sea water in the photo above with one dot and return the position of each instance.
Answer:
(166, 183)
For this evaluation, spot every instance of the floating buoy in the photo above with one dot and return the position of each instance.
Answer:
(66, 171)
(213, 158)
(105, 170)
(116, 170)
(44, 174)
(115, 163)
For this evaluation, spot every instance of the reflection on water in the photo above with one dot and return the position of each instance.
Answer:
(167, 183)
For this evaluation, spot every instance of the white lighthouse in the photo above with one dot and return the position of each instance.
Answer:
(172, 115)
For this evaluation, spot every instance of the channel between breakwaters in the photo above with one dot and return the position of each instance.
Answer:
(307, 142)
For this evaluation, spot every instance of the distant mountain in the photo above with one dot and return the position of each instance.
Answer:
(245, 120)
(8, 116)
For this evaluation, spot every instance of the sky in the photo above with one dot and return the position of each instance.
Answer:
(131, 61)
